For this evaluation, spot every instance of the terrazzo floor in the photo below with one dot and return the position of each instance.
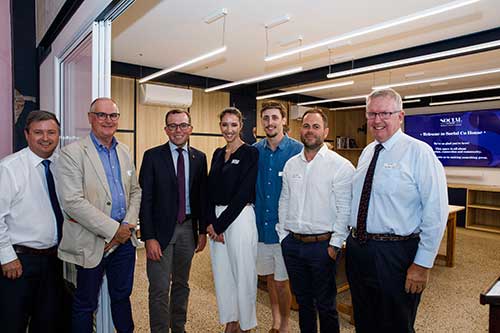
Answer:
(449, 304)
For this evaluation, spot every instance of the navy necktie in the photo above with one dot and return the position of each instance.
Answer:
(181, 182)
(53, 199)
(364, 201)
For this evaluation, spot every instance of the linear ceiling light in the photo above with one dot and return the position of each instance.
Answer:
(457, 91)
(277, 21)
(374, 28)
(256, 79)
(215, 16)
(348, 98)
(439, 78)
(427, 57)
(184, 64)
(364, 105)
(349, 107)
(298, 91)
(466, 101)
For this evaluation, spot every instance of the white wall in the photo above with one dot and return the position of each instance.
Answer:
(465, 175)
(6, 97)
(80, 21)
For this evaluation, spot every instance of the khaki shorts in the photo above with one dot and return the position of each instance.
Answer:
(270, 261)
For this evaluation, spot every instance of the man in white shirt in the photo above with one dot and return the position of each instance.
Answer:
(314, 210)
(30, 227)
(398, 216)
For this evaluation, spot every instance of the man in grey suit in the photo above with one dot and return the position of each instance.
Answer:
(100, 196)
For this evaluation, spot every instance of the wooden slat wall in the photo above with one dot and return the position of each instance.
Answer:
(151, 119)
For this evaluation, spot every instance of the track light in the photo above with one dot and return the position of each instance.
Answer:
(298, 91)
(377, 27)
(184, 64)
(457, 91)
(466, 101)
(414, 60)
(256, 79)
(440, 78)
(339, 99)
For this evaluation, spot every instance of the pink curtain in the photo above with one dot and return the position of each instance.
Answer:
(6, 97)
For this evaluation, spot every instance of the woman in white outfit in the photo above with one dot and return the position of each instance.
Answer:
(231, 225)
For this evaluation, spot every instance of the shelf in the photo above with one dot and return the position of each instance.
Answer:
(488, 207)
(481, 227)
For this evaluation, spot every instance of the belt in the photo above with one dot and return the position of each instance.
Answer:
(386, 237)
(312, 238)
(20, 249)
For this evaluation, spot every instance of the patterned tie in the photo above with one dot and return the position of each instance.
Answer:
(365, 196)
(181, 183)
(53, 199)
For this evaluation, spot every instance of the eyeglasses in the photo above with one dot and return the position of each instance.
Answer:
(103, 116)
(382, 115)
(183, 126)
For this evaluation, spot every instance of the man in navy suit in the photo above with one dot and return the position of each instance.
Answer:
(173, 178)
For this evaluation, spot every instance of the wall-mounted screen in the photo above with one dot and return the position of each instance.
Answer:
(469, 139)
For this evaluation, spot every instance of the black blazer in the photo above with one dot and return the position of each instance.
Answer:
(158, 212)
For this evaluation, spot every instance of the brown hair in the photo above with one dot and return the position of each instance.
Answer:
(231, 110)
(177, 111)
(274, 105)
(320, 112)
(40, 115)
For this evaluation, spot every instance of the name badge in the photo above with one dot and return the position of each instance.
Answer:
(235, 161)
(296, 176)
(129, 173)
(280, 174)
(390, 165)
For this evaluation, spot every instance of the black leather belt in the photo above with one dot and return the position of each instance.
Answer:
(21, 249)
(386, 237)
(312, 238)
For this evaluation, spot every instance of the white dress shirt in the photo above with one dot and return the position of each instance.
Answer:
(408, 195)
(26, 215)
(316, 196)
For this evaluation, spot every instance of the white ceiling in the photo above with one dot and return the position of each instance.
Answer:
(165, 33)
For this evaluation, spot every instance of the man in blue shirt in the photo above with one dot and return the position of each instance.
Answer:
(398, 216)
(100, 196)
(274, 151)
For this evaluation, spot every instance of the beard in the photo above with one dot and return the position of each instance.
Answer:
(314, 145)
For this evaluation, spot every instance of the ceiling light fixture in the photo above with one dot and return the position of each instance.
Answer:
(339, 99)
(440, 78)
(376, 27)
(349, 107)
(466, 101)
(215, 16)
(256, 79)
(184, 64)
(298, 91)
(423, 58)
(277, 21)
(364, 105)
(456, 91)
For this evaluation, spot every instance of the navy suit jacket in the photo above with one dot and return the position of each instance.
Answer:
(159, 203)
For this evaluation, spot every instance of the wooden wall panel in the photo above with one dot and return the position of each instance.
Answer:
(122, 91)
(207, 144)
(128, 139)
(206, 108)
(150, 128)
(347, 124)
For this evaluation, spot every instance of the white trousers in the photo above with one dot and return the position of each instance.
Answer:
(233, 266)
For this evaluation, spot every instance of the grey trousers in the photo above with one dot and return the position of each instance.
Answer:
(168, 282)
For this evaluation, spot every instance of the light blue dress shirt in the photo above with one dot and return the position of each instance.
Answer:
(175, 156)
(409, 193)
(111, 165)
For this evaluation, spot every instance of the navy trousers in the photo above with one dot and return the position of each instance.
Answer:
(376, 272)
(119, 270)
(312, 279)
(35, 297)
